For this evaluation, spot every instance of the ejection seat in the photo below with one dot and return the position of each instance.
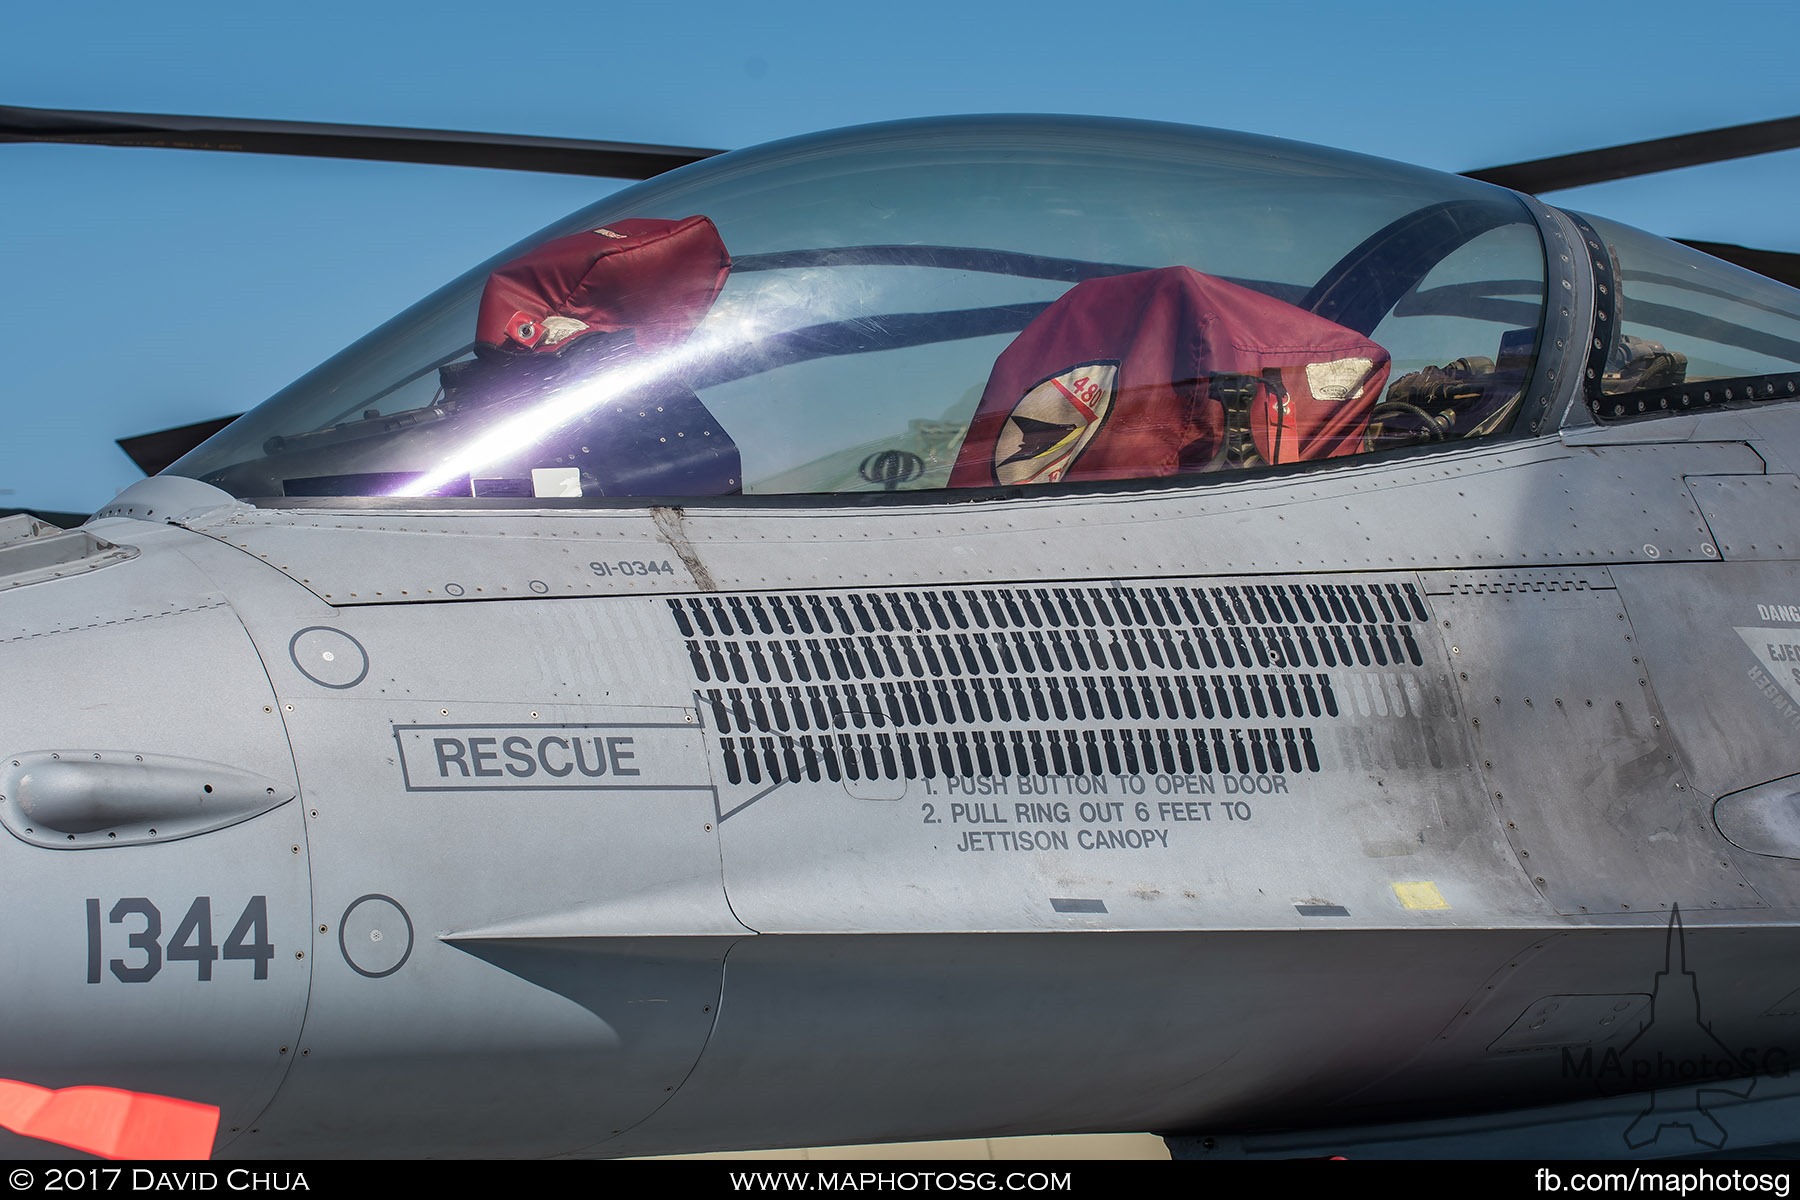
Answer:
(1169, 372)
(604, 311)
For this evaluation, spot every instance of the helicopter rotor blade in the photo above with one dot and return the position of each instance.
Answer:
(1781, 265)
(513, 152)
(1644, 158)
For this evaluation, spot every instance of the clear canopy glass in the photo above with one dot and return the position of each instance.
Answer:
(965, 303)
(1688, 318)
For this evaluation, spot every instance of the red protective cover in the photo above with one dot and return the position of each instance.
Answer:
(1114, 381)
(110, 1122)
(654, 277)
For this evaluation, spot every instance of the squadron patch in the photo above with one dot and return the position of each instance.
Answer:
(1053, 422)
(559, 329)
(1339, 380)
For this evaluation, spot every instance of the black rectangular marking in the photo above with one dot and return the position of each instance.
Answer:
(1063, 905)
(1321, 910)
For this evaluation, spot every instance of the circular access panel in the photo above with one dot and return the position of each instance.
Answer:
(329, 657)
(375, 936)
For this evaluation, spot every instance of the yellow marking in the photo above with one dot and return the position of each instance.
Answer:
(1420, 895)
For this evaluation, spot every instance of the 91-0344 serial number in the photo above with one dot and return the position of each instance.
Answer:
(625, 567)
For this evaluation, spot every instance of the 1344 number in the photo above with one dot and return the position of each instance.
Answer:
(145, 951)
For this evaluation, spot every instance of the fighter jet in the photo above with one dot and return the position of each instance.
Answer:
(951, 628)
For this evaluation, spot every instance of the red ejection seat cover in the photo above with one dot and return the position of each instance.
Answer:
(1121, 378)
(657, 278)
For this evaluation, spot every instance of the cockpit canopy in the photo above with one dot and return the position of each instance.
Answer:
(949, 304)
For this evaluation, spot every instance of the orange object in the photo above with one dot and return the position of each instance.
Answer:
(110, 1122)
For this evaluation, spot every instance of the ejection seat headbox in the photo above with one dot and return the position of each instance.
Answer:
(605, 309)
(1149, 374)
(655, 278)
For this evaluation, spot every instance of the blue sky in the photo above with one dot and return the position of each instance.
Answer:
(142, 289)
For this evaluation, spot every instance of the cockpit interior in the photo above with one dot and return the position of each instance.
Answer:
(959, 306)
